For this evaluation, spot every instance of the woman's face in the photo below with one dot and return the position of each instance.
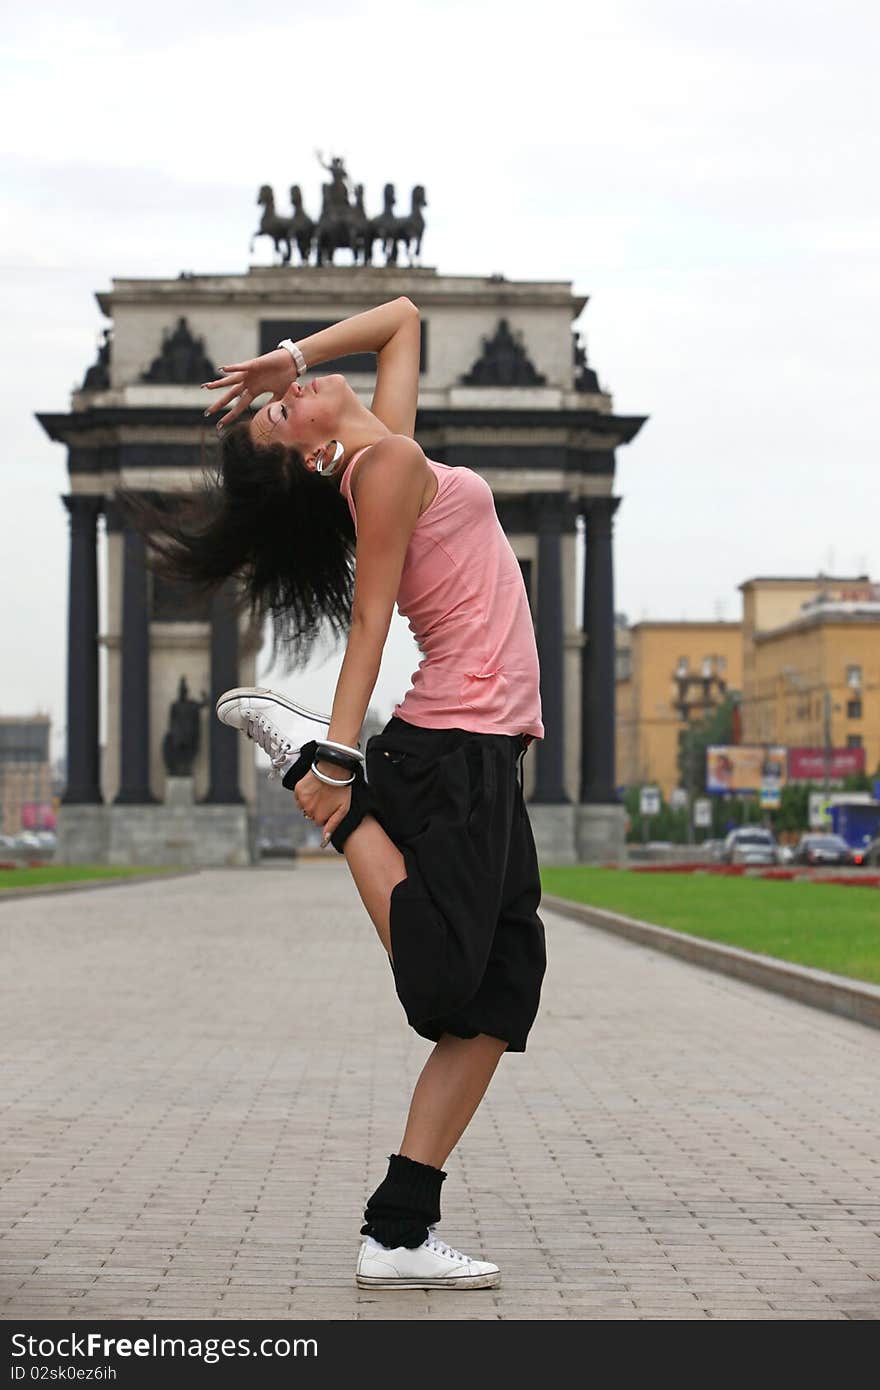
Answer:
(306, 418)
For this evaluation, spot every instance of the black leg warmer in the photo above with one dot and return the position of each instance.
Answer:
(405, 1203)
(361, 798)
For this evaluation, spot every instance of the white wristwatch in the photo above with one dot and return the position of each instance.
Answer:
(299, 360)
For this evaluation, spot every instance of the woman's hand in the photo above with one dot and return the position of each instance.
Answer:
(273, 372)
(322, 804)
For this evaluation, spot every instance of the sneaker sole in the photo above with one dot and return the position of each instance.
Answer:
(462, 1281)
(257, 692)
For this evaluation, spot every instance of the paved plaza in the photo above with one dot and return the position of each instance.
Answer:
(203, 1077)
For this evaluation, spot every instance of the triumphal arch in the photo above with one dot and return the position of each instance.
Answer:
(506, 389)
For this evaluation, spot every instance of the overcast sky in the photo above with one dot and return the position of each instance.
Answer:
(704, 170)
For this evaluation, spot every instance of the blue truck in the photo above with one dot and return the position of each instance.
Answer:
(857, 821)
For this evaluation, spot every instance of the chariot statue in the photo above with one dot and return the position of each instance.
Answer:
(344, 223)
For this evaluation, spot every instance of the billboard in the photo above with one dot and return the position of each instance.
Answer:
(808, 764)
(743, 767)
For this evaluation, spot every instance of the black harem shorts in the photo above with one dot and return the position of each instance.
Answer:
(466, 940)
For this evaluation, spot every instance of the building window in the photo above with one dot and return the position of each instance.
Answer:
(273, 330)
(853, 740)
(853, 709)
(854, 677)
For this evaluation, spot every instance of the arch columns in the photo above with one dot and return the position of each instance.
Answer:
(83, 753)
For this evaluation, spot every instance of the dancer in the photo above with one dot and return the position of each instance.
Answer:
(430, 817)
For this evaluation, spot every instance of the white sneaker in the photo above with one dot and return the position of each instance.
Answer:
(276, 724)
(432, 1265)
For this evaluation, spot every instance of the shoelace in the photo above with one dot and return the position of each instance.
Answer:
(435, 1243)
(264, 733)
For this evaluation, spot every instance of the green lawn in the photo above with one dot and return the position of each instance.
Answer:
(822, 925)
(70, 873)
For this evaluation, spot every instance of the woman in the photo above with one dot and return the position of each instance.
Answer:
(437, 837)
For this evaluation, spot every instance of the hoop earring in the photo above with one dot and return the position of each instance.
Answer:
(338, 453)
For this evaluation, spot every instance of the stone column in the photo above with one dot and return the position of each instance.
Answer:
(83, 757)
(551, 511)
(598, 781)
(224, 742)
(134, 742)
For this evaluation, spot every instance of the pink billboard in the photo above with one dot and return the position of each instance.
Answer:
(808, 764)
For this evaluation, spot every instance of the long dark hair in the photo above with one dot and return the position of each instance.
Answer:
(265, 519)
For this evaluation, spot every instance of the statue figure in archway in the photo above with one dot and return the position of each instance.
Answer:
(181, 742)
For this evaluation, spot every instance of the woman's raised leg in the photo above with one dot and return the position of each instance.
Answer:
(376, 865)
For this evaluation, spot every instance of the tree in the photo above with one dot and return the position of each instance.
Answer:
(694, 739)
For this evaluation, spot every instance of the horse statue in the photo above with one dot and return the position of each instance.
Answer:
(361, 240)
(301, 228)
(273, 224)
(409, 230)
(382, 228)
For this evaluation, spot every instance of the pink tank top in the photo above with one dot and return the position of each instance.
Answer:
(463, 594)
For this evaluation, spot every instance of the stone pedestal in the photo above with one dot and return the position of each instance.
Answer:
(600, 833)
(553, 829)
(81, 835)
(582, 834)
(177, 832)
(180, 791)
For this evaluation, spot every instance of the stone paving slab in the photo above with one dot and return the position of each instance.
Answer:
(203, 1077)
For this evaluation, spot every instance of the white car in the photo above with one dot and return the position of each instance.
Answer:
(749, 844)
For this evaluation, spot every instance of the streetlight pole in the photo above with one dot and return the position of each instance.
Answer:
(826, 736)
(680, 703)
(710, 675)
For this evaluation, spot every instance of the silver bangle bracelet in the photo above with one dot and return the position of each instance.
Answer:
(296, 354)
(341, 748)
(332, 781)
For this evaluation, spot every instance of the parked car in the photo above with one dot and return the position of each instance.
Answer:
(871, 852)
(818, 847)
(749, 844)
(27, 839)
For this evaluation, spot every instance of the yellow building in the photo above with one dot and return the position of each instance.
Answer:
(25, 772)
(666, 673)
(803, 640)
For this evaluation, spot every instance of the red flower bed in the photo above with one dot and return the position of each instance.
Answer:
(855, 881)
(689, 868)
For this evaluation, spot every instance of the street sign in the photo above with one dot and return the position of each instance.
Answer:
(819, 808)
(770, 798)
(649, 801)
(703, 813)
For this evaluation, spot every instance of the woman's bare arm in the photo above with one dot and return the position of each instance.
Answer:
(393, 332)
(396, 397)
